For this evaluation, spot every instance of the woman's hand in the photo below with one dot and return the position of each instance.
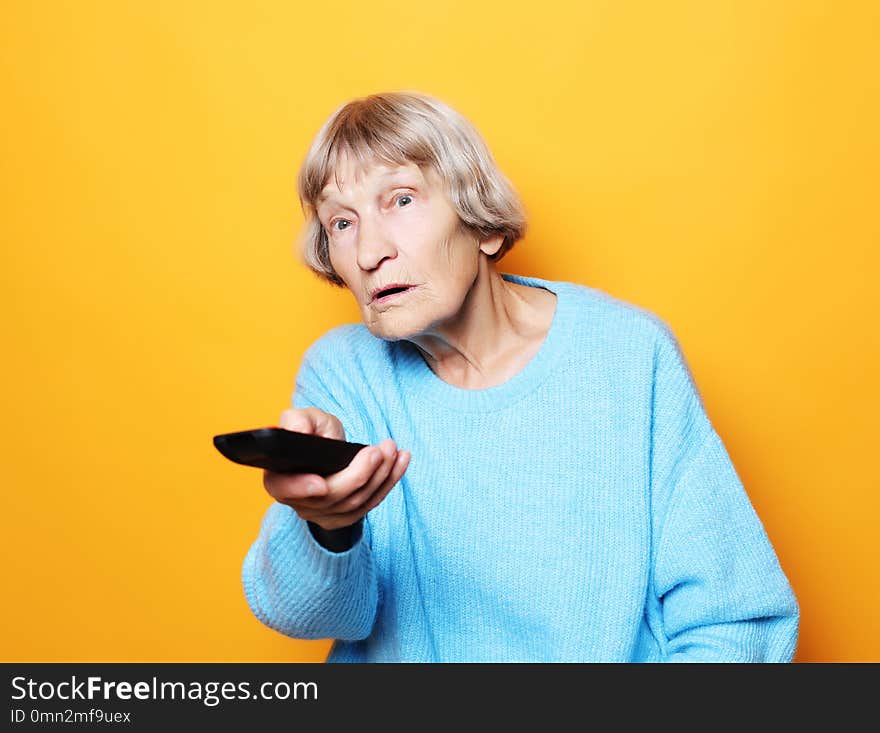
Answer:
(342, 498)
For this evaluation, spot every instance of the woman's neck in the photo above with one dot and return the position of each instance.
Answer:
(499, 328)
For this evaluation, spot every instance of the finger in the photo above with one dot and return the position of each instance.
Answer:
(314, 493)
(397, 472)
(294, 487)
(380, 474)
(352, 515)
(354, 475)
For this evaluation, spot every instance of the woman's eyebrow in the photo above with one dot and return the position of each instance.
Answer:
(327, 195)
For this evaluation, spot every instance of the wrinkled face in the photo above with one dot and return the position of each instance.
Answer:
(396, 242)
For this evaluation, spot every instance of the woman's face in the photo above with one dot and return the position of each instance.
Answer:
(395, 226)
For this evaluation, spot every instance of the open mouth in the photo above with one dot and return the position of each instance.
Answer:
(391, 292)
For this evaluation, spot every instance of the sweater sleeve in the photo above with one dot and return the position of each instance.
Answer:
(292, 583)
(719, 593)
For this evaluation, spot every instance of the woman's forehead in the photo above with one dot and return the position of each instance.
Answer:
(381, 171)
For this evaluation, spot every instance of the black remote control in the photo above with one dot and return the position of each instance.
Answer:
(286, 451)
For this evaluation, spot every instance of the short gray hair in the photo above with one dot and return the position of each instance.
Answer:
(404, 127)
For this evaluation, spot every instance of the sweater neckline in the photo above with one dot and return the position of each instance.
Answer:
(418, 378)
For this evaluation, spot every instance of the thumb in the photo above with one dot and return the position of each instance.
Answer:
(296, 419)
(313, 421)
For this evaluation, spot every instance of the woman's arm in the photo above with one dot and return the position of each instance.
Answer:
(722, 594)
(309, 584)
(299, 588)
(718, 591)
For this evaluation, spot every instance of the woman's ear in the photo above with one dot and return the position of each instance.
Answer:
(491, 245)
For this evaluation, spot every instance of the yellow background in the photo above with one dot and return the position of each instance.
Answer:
(715, 163)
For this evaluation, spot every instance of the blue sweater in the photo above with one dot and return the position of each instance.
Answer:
(584, 510)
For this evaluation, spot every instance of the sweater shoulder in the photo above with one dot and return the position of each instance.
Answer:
(347, 359)
(660, 342)
(618, 319)
(344, 345)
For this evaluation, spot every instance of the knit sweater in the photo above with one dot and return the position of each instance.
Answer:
(585, 510)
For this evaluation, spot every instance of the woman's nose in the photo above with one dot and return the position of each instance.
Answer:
(374, 243)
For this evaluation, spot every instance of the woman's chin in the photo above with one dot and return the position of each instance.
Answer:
(391, 329)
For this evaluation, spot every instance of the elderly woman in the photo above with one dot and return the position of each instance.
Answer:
(540, 482)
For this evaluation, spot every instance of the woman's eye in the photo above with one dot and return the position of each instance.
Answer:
(333, 223)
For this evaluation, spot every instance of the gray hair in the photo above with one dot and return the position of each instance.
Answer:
(404, 127)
